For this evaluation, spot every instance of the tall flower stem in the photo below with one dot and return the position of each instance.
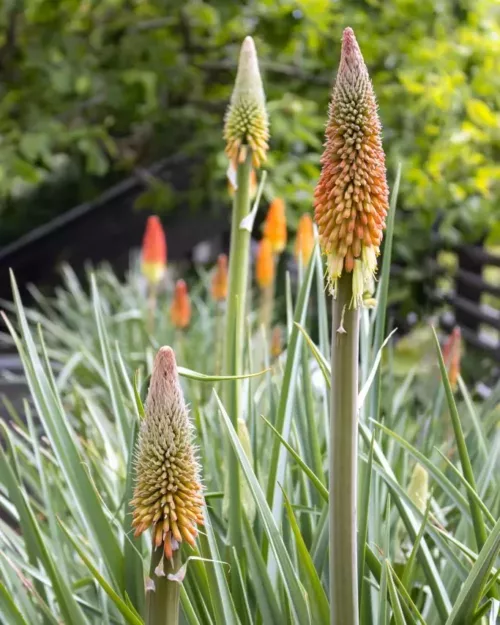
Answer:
(152, 299)
(343, 457)
(163, 602)
(235, 329)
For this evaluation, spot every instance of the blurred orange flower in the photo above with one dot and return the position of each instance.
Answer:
(180, 309)
(219, 279)
(304, 242)
(275, 225)
(154, 251)
(276, 342)
(264, 264)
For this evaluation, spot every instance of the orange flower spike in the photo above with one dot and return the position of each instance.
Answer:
(452, 351)
(264, 264)
(219, 279)
(351, 197)
(180, 309)
(275, 225)
(154, 251)
(304, 242)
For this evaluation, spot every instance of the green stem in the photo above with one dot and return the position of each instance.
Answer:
(163, 602)
(234, 339)
(152, 298)
(343, 458)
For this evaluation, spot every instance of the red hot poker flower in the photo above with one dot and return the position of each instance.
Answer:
(351, 197)
(275, 225)
(180, 309)
(220, 279)
(154, 251)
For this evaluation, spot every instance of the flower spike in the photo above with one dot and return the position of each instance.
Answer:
(304, 242)
(180, 309)
(264, 264)
(154, 251)
(220, 280)
(167, 494)
(351, 197)
(275, 225)
(246, 122)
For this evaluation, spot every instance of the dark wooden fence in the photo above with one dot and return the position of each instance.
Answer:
(108, 228)
(479, 320)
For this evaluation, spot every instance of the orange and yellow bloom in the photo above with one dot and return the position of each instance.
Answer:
(351, 197)
(304, 241)
(154, 251)
(264, 264)
(220, 279)
(275, 225)
(180, 309)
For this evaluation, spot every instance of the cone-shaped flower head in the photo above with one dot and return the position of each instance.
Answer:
(304, 241)
(452, 351)
(351, 198)
(180, 309)
(246, 122)
(219, 279)
(264, 264)
(167, 494)
(154, 251)
(275, 225)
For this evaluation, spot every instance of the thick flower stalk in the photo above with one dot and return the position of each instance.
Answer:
(180, 309)
(246, 135)
(351, 198)
(304, 241)
(219, 280)
(274, 229)
(168, 494)
(246, 122)
(351, 203)
(231, 180)
(154, 251)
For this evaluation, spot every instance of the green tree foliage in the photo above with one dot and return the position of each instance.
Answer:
(88, 88)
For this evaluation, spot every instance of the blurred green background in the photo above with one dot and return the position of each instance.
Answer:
(92, 90)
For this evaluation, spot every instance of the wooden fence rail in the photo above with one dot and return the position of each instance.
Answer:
(478, 319)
